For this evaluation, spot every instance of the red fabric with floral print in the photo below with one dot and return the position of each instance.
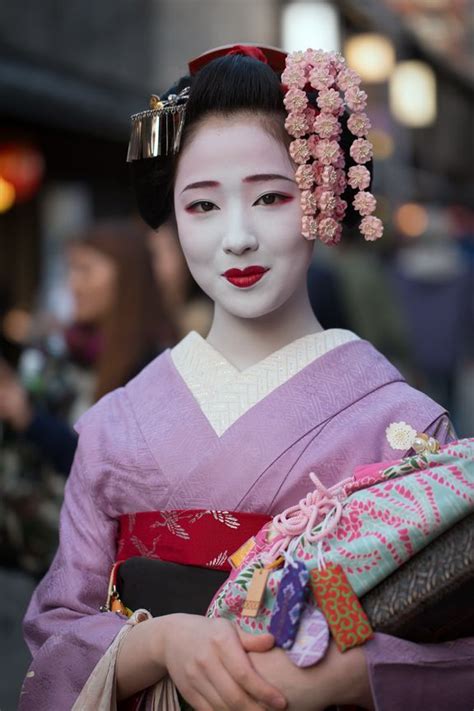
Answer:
(190, 537)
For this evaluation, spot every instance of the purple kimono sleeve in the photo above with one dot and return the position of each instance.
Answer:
(66, 633)
(409, 676)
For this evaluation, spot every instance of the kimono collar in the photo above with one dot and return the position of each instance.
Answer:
(225, 393)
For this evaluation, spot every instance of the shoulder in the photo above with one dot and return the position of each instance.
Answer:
(395, 401)
(110, 430)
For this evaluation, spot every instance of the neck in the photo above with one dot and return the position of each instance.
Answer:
(246, 341)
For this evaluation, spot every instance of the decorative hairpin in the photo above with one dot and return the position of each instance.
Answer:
(321, 174)
(157, 131)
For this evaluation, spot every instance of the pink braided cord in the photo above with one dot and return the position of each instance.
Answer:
(321, 506)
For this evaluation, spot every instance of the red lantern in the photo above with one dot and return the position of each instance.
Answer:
(22, 165)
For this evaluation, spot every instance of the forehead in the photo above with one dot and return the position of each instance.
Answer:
(242, 144)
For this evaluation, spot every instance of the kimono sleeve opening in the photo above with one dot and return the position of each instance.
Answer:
(66, 633)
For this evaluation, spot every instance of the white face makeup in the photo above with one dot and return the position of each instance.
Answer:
(237, 206)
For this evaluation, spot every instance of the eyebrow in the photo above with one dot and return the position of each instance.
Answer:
(258, 178)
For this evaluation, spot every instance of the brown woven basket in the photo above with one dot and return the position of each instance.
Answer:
(431, 597)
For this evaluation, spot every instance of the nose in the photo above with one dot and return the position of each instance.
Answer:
(239, 237)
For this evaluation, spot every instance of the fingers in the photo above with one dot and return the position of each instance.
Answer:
(238, 665)
(256, 642)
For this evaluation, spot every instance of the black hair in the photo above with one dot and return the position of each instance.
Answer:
(227, 85)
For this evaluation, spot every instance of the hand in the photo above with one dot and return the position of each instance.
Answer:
(209, 663)
(14, 405)
(339, 679)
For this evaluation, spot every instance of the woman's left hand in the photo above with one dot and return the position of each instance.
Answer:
(339, 679)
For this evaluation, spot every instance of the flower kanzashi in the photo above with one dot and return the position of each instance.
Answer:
(356, 99)
(320, 77)
(299, 151)
(358, 124)
(329, 230)
(304, 177)
(330, 101)
(326, 201)
(327, 152)
(321, 172)
(361, 150)
(296, 125)
(328, 176)
(327, 126)
(364, 203)
(297, 59)
(358, 177)
(295, 100)
(371, 227)
(294, 76)
(309, 227)
(308, 202)
(400, 435)
(340, 209)
(347, 78)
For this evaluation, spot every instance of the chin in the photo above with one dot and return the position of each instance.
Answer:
(251, 310)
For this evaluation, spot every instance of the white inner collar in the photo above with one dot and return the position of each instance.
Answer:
(224, 393)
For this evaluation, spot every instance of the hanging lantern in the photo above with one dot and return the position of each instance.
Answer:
(371, 55)
(412, 91)
(22, 166)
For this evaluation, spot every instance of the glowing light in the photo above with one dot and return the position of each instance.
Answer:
(314, 24)
(371, 55)
(411, 219)
(22, 165)
(382, 142)
(7, 195)
(412, 91)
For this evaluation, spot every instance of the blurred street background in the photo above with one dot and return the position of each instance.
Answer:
(88, 295)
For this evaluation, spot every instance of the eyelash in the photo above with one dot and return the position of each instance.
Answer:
(280, 199)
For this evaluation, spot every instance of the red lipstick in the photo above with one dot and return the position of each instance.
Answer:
(244, 278)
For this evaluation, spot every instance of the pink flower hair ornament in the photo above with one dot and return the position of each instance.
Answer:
(316, 149)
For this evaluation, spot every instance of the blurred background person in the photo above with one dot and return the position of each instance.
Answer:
(119, 326)
(188, 307)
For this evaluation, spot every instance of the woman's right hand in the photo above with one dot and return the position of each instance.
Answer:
(208, 661)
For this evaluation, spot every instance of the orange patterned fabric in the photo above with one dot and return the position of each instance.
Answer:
(341, 607)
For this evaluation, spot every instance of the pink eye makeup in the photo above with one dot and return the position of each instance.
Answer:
(273, 199)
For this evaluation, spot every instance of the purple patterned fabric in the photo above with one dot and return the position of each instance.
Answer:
(148, 447)
(312, 639)
(289, 604)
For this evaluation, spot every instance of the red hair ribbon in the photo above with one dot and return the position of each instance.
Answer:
(268, 55)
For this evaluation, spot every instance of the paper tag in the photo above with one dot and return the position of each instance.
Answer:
(344, 614)
(237, 558)
(255, 592)
(289, 605)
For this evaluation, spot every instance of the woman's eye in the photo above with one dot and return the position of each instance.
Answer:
(272, 199)
(201, 206)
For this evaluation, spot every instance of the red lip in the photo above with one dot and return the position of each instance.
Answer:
(248, 271)
(245, 277)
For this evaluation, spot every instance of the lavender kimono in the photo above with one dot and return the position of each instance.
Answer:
(148, 446)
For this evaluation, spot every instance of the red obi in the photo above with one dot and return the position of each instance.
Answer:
(188, 536)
